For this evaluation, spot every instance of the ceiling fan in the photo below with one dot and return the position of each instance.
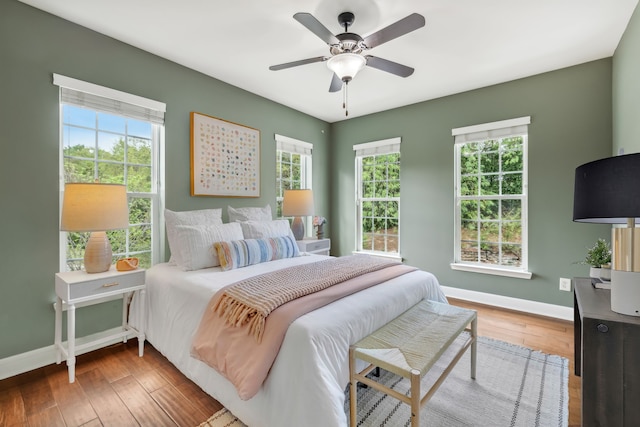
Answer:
(347, 49)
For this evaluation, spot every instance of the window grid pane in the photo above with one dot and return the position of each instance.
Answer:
(379, 202)
(489, 200)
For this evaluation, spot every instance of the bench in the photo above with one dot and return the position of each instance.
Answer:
(409, 346)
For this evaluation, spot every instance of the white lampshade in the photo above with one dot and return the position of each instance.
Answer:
(346, 65)
(95, 207)
(297, 203)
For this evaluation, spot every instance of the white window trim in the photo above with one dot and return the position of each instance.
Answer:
(498, 129)
(383, 146)
(395, 257)
(293, 145)
(496, 271)
(94, 89)
(158, 161)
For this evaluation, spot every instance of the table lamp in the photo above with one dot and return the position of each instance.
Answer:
(607, 191)
(297, 203)
(96, 208)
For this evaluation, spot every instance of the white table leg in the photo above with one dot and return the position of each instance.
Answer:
(143, 321)
(57, 341)
(125, 303)
(71, 339)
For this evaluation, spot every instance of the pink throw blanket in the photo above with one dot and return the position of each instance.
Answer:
(246, 362)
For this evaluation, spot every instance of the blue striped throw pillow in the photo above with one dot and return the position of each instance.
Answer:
(241, 253)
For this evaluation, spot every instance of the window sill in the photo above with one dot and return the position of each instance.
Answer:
(496, 271)
(397, 257)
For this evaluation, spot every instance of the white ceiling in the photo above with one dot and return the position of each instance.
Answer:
(465, 44)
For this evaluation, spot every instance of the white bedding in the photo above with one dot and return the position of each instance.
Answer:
(306, 384)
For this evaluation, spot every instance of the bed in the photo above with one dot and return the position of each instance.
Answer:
(307, 381)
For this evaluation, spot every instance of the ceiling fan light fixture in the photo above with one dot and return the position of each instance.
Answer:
(346, 65)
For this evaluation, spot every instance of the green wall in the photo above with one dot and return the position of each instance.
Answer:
(571, 124)
(570, 113)
(626, 90)
(33, 45)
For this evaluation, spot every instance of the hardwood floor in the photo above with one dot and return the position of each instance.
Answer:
(114, 387)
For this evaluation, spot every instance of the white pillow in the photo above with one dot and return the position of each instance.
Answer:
(266, 229)
(249, 214)
(196, 217)
(196, 243)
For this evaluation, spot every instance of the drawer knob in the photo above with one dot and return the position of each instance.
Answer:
(602, 328)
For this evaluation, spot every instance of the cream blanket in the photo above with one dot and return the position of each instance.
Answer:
(249, 302)
(244, 361)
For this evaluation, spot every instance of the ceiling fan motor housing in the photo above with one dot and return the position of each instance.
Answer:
(349, 42)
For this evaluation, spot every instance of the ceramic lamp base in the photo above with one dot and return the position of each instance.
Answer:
(97, 253)
(625, 292)
(297, 227)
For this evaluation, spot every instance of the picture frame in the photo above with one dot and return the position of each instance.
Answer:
(225, 158)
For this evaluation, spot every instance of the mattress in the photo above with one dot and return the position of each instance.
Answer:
(306, 384)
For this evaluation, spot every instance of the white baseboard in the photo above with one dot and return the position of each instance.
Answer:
(34, 359)
(540, 308)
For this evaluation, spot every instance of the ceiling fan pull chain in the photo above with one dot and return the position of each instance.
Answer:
(345, 99)
(344, 96)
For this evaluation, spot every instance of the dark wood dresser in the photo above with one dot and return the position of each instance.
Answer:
(607, 357)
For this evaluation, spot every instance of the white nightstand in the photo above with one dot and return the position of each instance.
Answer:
(78, 289)
(315, 246)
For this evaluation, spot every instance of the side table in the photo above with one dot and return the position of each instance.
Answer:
(78, 289)
(607, 345)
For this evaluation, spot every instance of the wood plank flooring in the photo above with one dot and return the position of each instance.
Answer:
(114, 387)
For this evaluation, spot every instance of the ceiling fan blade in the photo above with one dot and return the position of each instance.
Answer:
(316, 27)
(296, 63)
(389, 66)
(336, 83)
(393, 31)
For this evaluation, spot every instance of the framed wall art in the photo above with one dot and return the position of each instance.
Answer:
(225, 158)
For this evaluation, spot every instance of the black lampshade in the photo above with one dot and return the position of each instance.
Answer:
(608, 190)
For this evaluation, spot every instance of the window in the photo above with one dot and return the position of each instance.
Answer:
(293, 168)
(113, 137)
(378, 197)
(491, 198)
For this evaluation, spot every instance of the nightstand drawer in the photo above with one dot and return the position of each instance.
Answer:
(317, 245)
(74, 286)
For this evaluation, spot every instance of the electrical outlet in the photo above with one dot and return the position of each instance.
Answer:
(565, 284)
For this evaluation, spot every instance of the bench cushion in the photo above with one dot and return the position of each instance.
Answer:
(416, 339)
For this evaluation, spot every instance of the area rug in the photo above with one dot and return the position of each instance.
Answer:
(514, 386)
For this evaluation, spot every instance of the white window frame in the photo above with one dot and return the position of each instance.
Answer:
(111, 101)
(486, 131)
(305, 150)
(367, 149)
